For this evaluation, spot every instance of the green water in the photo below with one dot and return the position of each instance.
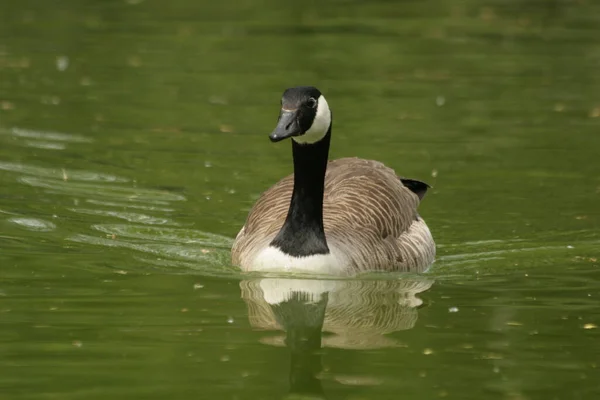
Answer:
(133, 141)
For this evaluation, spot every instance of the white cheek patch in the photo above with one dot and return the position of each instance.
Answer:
(320, 125)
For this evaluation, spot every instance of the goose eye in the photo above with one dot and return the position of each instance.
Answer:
(312, 103)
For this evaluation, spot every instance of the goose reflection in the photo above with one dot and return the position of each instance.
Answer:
(346, 314)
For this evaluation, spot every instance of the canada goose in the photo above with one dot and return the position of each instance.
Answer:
(340, 217)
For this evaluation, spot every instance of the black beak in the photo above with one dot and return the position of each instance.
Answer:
(288, 125)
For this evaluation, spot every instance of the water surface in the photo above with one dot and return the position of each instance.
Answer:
(133, 141)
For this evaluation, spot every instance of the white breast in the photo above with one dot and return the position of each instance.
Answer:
(271, 259)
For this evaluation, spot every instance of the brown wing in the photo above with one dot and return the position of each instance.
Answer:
(264, 220)
(371, 216)
(367, 213)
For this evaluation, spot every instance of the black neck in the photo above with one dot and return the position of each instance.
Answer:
(302, 233)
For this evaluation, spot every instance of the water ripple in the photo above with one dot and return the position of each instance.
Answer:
(60, 173)
(42, 144)
(48, 135)
(180, 258)
(115, 192)
(129, 205)
(33, 224)
(128, 216)
(175, 235)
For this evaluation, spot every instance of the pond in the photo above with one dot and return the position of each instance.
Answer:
(133, 142)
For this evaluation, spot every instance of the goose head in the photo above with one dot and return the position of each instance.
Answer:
(304, 116)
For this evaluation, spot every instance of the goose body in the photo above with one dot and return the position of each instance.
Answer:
(340, 217)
